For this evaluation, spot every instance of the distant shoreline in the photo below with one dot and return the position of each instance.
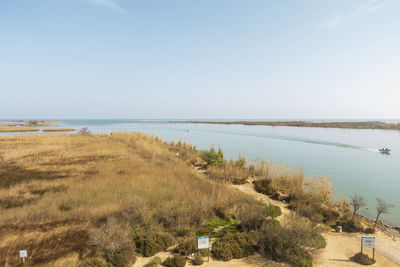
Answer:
(343, 125)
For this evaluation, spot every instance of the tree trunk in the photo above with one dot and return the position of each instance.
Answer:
(354, 214)
(376, 221)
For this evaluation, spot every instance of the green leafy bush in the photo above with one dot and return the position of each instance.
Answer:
(213, 158)
(149, 243)
(177, 261)
(253, 215)
(187, 247)
(234, 246)
(363, 259)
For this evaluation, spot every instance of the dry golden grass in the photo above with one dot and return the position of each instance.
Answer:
(102, 174)
(59, 130)
(284, 178)
(6, 130)
(54, 187)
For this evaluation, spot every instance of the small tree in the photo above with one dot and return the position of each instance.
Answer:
(357, 202)
(84, 131)
(382, 208)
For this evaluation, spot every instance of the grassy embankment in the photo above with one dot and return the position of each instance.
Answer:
(346, 125)
(97, 198)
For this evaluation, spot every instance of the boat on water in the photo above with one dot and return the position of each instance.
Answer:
(384, 150)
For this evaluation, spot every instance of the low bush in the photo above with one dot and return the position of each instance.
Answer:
(277, 246)
(187, 247)
(176, 261)
(285, 244)
(198, 260)
(234, 246)
(264, 186)
(122, 258)
(252, 215)
(315, 211)
(363, 259)
(213, 158)
(228, 173)
(351, 226)
(149, 242)
(112, 240)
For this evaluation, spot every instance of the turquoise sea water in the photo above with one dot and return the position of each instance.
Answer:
(348, 156)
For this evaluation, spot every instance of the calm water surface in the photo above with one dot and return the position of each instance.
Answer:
(348, 156)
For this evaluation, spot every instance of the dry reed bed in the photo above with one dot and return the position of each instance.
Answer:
(6, 130)
(102, 174)
(59, 130)
(54, 187)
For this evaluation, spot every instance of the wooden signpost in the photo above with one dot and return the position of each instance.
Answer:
(368, 242)
(204, 242)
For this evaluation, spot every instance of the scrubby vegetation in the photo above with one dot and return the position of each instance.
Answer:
(176, 261)
(114, 197)
(103, 197)
(363, 259)
(187, 247)
(286, 243)
(233, 246)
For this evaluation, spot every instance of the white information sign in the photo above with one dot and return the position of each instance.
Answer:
(23, 253)
(368, 242)
(203, 242)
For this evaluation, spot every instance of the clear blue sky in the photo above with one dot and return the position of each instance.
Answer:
(200, 59)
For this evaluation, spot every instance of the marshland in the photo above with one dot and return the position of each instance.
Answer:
(101, 199)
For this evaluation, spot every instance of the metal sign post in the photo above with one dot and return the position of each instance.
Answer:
(368, 242)
(204, 242)
(23, 254)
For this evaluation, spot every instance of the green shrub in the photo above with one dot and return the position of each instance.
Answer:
(187, 247)
(264, 186)
(363, 259)
(149, 243)
(177, 261)
(198, 260)
(351, 226)
(234, 246)
(314, 211)
(156, 261)
(283, 244)
(123, 258)
(253, 215)
(213, 158)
